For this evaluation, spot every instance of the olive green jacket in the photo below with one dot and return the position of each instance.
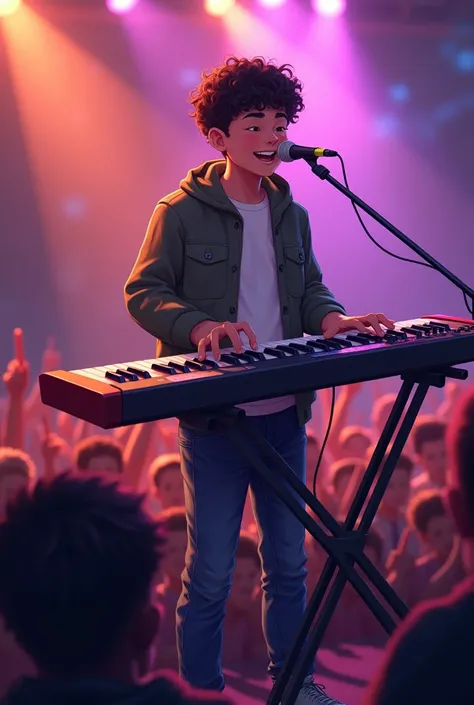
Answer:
(187, 270)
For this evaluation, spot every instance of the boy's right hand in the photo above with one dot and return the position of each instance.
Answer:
(208, 334)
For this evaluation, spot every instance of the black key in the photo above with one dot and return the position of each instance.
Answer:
(343, 342)
(242, 357)
(231, 360)
(410, 331)
(129, 376)
(115, 377)
(140, 373)
(444, 326)
(179, 366)
(370, 338)
(256, 355)
(318, 345)
(422, 329)
(397, 334)
(333, 344)
(274, 352)
(209, 363)
(159, 367)
(301, 347)
(198, 365)
(360, 338)
(287, 349)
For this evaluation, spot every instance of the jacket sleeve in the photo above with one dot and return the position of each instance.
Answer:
(150, 291)
(318, 301)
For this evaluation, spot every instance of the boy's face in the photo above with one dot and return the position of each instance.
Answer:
(245, 581)
(104, 463)
(439, 536)
(398, 490)
(432, 458)
(10, 484)
(173, 554)
(250, 133)
(170, 490)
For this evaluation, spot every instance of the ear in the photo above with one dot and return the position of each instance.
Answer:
(462, 517)
(217, 139)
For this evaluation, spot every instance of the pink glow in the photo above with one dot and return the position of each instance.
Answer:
(272, 3)
(330, 8)
(120, 7)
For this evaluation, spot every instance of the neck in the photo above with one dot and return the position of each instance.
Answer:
(242, 185)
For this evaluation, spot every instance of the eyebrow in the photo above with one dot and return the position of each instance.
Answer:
(262, 115)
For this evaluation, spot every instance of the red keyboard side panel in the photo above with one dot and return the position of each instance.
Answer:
(453, 319)
(94, 401)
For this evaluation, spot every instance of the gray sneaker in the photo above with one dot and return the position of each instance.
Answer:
(312, 694)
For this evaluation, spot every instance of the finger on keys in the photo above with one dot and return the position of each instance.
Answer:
(215, 338)
(363, 329)
(202, 345)
(387, 322)
(19, 345)
(377, 328)
(249, 332)
(330, 332)
(233, 336)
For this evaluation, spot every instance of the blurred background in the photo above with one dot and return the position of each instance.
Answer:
(95, 128)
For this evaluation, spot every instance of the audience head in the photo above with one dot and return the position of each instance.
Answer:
(429, 445)
(354, 441)
(175, 533)
(165, 472)
(381, 411)
(397, 493)
(79, 599)
(99, 454)
(340, 475)
(247, 572)
(17, 471)
(460, 445)
(427, 516)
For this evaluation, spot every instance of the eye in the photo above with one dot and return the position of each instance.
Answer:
(254, 128)
(282, 128)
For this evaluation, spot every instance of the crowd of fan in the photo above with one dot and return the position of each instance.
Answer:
(413, 540)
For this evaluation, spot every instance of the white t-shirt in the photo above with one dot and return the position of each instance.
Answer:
(259, 299)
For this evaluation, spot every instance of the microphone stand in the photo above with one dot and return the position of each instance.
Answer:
(324, 174)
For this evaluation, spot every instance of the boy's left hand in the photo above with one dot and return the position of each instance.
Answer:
(334, 323)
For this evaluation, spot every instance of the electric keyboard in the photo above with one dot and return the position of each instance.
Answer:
(126, 393)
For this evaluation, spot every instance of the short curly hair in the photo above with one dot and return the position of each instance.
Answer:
(240, 85)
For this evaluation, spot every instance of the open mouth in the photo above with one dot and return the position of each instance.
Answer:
(267, 157)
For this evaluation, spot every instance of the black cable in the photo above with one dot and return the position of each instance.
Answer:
(326, 436)
(392, 254)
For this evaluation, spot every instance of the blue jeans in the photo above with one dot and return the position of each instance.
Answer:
(216, 479)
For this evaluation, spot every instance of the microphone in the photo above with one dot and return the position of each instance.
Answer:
(289, 151)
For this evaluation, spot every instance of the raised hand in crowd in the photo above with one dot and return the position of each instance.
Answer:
(51, 447)
(16, 380)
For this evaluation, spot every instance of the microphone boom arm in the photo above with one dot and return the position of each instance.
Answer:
(325, 175)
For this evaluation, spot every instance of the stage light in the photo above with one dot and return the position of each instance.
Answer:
(272, 3)
(8, 7)
(218, 8)
(399, 93)
(465, 60)
(120, 7)
(330, 8)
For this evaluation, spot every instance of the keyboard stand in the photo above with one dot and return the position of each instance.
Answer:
(345, 543)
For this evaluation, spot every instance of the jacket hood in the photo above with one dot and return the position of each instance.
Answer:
(204, 183)
(36, 691)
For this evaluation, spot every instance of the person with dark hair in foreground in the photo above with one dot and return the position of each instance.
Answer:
(430, 657)
(77, 562)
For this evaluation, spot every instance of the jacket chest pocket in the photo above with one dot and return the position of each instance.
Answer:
(295, 271)
(205, 273)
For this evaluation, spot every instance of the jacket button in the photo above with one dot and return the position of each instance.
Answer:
(280, 268)
(234, 269)
(285, 309)
(208, 255)
(232, 309)
(236, 224)
(301, 256)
